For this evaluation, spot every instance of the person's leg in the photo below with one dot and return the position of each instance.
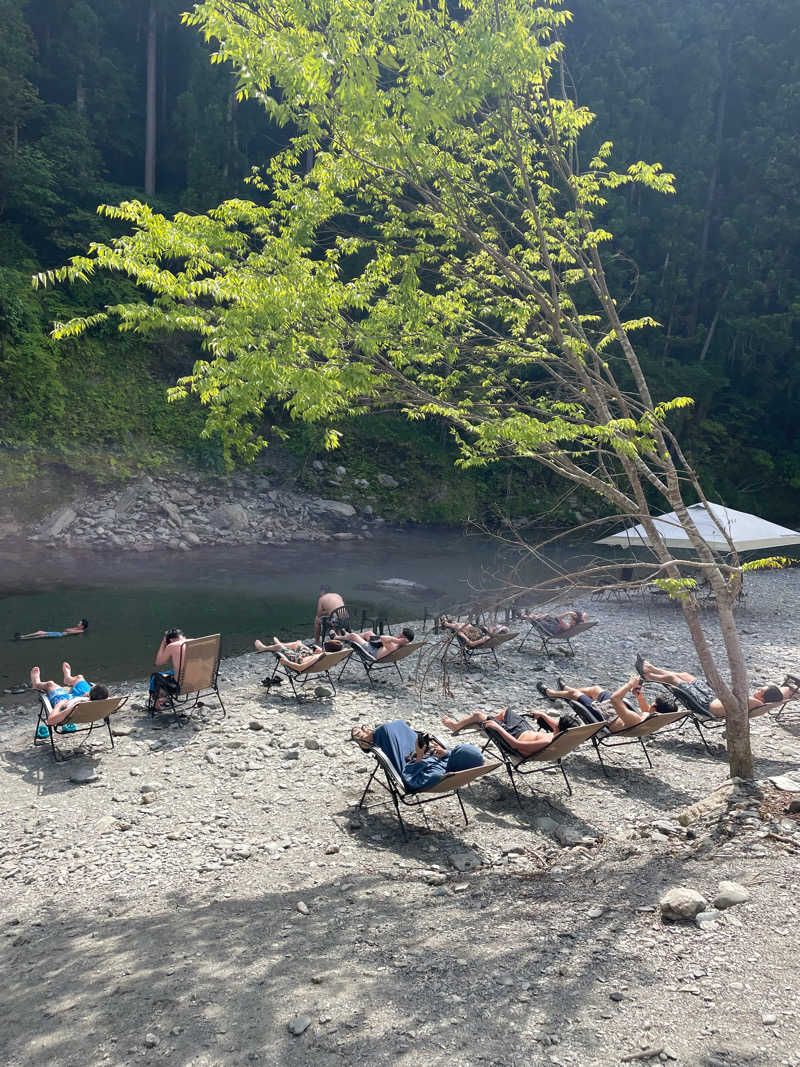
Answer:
(463, 757)
(37, 683)
(276, 646)
(69, 678)
(572, 692)
(33, 636)
(357, 639)
(658, 674)
(454, 725)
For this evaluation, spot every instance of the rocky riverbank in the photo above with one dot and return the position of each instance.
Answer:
(180, 512)
(209, 894)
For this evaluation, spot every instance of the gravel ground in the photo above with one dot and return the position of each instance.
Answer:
(213, 888)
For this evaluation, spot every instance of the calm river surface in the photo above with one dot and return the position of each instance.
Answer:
(243, 592)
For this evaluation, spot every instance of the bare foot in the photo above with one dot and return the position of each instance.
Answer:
(65, 667)
(449, 723)
(260, 646)
(36, 676)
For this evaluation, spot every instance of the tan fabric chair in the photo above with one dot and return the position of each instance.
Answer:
(400, 794)
(485, 648)
(320, 667)
(635, 735)
(197, 677)
(86, 716)
(565, 637)
(370, 664)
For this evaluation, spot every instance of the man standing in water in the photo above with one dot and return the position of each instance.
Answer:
(327, 603)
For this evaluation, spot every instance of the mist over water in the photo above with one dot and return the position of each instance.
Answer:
(242, 592)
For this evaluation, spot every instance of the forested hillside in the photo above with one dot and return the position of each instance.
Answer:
(102, 101)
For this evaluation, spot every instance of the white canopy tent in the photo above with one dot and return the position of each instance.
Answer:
(747, 532)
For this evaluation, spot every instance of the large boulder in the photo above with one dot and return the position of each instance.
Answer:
(387, 481)
(61, 521)
(682, 904)
(228, 517)
(335, 507)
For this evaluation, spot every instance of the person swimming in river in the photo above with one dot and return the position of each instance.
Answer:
(79, 628)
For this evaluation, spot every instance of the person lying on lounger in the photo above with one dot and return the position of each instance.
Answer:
(420, 760)
(79, 628)
(63, 698)
(702, 692)
(557, 624)
(526, 734)
(380, 647)
(604, 706)
(295, 654)
(472, 635)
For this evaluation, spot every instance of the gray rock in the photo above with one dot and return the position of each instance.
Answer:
(299, 1024)
(171, 512)
(566, 836)
(730, 893)
(229, 517)
(466, 861)
(322, 691)
(254, 724)
(335, 507)
(292, 753)
(148, 798)
(387, 481)
(302, 907)
(312, 744)
(794, 807)
(769, 1020)
(434, 877)
(150, 1040)
(62, 521)
(786, 783)
(680, 903)
(149, 787)
(545, 824)
(83, 773)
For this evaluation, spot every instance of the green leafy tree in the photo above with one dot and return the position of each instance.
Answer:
(441, 254)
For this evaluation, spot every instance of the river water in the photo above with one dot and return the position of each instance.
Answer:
(242, 592)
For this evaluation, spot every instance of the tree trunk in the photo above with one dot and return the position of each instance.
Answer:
(150, 110)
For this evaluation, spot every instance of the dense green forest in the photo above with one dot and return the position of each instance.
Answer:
(104, 101)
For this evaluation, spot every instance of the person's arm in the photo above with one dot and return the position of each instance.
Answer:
(62, 710)
(164, 653)
(641, 700)
(551, 720)
(525, 748)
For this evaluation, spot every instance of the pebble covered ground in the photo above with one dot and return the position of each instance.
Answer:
(209, 894)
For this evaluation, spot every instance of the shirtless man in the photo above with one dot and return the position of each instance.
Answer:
(169, 652)
(327, 603)
(79, 628)
(518, 731)
(63, 698)
(380, 647)
(557, 624)
(704, 694)
(604, 706)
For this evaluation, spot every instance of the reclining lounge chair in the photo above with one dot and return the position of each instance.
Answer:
(703, 720)
(401, 794)
(546, 759)
(84, 716)
(546, 639)
(631, 735)
(320, 667)
(370, 663)
(197, 677)
(485, 648)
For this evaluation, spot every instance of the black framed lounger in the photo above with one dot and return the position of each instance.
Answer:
(703, 720)
(389, 778)
(485, 648)
(370, 663)
(320, 667)
(553, 753)
(86, 716)
(547, 639)
(631, 735)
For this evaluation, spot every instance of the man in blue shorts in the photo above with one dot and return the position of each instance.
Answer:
(79, 628)
(63, 698)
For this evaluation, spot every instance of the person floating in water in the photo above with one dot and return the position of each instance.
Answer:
(79, 628)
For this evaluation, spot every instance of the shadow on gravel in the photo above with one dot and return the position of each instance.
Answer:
(382, 969)
(36, 767)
